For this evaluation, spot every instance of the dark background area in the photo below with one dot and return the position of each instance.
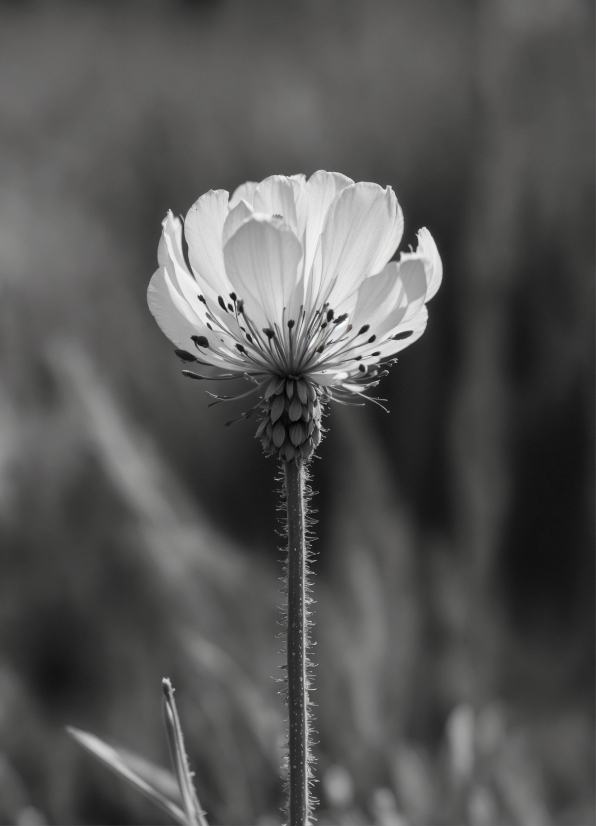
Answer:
(454, 571)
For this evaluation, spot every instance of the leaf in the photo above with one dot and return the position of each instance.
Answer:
(120, 763)
(195, 815)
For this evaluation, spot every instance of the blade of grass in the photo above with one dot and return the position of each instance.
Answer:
(194, 814)
(115, 761)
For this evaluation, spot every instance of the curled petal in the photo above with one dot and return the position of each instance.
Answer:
(433, 264)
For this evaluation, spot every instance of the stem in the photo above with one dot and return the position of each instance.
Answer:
(297, 641)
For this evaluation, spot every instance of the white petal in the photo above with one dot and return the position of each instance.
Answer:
(177, 320)
(359, 222)
(203, 228)
(170, 253)
(284, 197)
(243, 192)
(236, 216)
(172, 321)
(393, 239)
(409, 299)
(390, 346)
(376, 297)
(321, 189)
(434, 268)
(262, 264)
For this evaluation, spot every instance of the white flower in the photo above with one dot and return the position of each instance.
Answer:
(289, 283)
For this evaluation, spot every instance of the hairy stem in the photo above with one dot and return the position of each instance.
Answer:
(297, 641)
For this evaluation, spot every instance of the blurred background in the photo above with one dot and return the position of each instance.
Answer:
(454, 568)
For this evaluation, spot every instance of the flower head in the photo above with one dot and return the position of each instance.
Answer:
(289, 284)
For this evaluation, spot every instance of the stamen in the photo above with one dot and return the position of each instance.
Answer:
(364, 329)
(400, 336)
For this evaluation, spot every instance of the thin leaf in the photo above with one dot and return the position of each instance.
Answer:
(115, 761)
(195, 815)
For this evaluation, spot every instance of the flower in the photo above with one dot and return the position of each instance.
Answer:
(289, 284)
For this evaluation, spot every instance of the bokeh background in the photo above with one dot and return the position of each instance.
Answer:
(454, 570)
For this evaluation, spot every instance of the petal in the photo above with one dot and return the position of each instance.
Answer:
(376, 297)
(171, 254)
(434, 266)
(359, 222)
(172, 321)
(393, 238)
(262, 260)
(236, 216)
(285, 197)
(321, 189)
(243, 192)
(409, 297)
(203, 229)
(176, 319)
(390, 346)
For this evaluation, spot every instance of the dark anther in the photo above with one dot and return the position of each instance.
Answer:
(221, 303)
(231, 308)
(340, 318)
(323, 325)
(320, 348)
(371, 339)
(269, 333)
(202, 298)
(249, 337)
(376, 353)
(200, 341)
(291, 323)
(240, 348)
(401, 336)
(185, 355)
(364, 329)
(233, 296)
(357, 358)
(240, 305)
(362, 368)
(330, 315)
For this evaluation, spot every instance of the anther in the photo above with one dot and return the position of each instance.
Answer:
(185, 355)
(330, 315)
(231, 308)
(233, 296)
(371, 339)
(291, 323)
(201, 299)
(269, 333)
(320, 348)
(240, 305)
(240, 348)
(364, 329)
(200, 341)
(249, 337)
(376, 353)
(340, 318)
(222, 303)
(362, 368)
(401, 336)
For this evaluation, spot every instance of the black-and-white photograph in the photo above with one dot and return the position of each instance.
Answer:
(297, 413)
